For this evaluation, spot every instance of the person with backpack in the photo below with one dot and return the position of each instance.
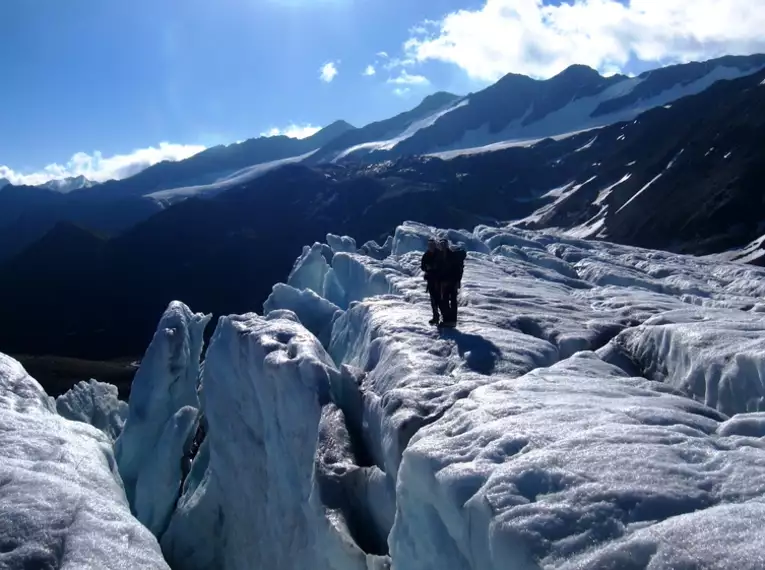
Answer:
(453, 267)
(432, 265)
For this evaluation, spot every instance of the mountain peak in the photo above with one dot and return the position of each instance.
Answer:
(4, 182)
(436, 100)
(65, 185)
(577, 71)
(330, 132)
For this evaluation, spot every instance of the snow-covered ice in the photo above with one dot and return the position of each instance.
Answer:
(150, 447)
(598, 407)
(62, 504)
(520, 439)
(95, 403)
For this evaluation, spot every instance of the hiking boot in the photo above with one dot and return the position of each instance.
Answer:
(434, 321)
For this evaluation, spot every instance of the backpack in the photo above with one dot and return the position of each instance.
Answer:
(458, 259)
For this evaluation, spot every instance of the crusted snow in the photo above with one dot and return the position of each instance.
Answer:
(61, 499)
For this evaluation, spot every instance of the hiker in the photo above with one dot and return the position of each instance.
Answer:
(451, 269)
(431, 264)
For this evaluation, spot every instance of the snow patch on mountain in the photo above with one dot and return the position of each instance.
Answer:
(226, 181)
(578, 115)
(390, 143)
(66, 185)
(639, 192)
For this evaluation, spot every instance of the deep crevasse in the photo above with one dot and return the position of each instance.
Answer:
(556, 428)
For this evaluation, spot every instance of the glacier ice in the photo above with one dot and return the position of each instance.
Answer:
(341, 243)
(61, 499)
(265, 381)
(95, 403)
(316, 313)
(596, 406)
(165, 383)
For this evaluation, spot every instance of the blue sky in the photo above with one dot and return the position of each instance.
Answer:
(84, 81)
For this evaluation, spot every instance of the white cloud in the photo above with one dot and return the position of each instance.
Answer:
(293, 131)
(382, 54)
(396, 62)
(406, 79)
(328, 72)
(98, 168)
(527, 36)
(401, 91)
(370, 70)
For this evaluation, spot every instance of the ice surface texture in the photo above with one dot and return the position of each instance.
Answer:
(162, 416)
(95, 403)
(582, 415)
(62, 505)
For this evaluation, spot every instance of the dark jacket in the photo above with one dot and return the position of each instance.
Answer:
(431, 265)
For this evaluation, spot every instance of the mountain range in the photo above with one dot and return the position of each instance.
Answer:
(670, 159)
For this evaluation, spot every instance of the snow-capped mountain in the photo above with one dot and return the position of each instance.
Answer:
(599, 406)
(682, 177)
(518, 108)
(66, 185)
(220, 162)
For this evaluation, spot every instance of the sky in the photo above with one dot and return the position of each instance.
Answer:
(104, 88)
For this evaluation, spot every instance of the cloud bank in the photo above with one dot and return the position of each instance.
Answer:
(98, 168)
(532, 38)
(293, 131)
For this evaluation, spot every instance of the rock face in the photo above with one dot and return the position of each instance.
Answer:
(681, 178)
(63, 505)
(582, 414)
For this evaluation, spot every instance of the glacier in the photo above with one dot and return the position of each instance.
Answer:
(95, 403)
(62, 504)
(598, 406)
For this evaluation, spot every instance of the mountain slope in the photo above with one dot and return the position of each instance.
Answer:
(219, 161)
(685, 178)
(518, 107)
(65, 185)
(27, 213)
(386, 129)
